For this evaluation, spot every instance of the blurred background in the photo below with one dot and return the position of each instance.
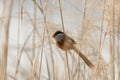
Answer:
(27, 50)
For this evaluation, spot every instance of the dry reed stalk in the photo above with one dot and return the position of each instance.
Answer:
(62, 21)
(41, 53)
(34, 30)
(83, 24)
(37, 32)
(1, 28)
(48, 37)
(44, 15)
(110, 28)
(41, 9)
(51, 55)
(20, 55)
(56, 71)
(41, 56)
(73, 64)
(65, 67)
(61, 15)
(2, 17)
(112, 42)
(100, 43)
(111, 59)
(48, 68)
(64, 60)
(3, 75)
(34, 72)
(18, 37)
(119, 44)
(34, 66)
(67, 62)
(50, 44)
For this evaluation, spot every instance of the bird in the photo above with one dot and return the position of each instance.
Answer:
(66, 43)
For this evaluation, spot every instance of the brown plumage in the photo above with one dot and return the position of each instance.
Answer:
(66, 43)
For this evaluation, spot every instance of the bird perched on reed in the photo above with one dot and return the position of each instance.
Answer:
(66, 43)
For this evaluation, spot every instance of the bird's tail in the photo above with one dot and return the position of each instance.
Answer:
(85, 59)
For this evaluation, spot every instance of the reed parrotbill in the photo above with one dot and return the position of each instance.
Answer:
(66, 43)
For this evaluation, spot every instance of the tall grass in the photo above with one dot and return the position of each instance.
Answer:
(35, 49)
(3, 70)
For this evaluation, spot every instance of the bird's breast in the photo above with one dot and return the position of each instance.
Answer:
(67, 45)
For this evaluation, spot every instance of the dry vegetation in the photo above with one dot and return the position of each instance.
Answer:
(27, 51)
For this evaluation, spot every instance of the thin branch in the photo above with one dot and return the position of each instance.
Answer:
(61, 16)
(99, 50)
(41, 9)
(6, 43)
